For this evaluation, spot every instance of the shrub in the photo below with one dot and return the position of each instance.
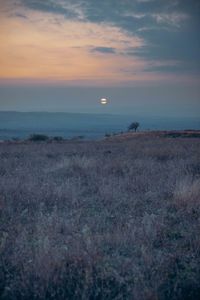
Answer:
(58, 138)
(38, 137)
(107, 134)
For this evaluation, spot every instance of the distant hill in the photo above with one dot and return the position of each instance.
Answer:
(21, 124)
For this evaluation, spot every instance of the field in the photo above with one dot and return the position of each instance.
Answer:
(111, 219)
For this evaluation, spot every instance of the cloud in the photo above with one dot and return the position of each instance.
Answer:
(68, 9)
(171, 19)
(104, 50)
(18, 15)
(134, 15)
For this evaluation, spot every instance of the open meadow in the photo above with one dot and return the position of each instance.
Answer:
(99, 220)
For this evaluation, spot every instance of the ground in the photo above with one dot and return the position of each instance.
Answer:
(112, 219)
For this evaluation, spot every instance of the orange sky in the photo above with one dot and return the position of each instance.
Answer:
(40, 48)
(50, 47)
(43, 47)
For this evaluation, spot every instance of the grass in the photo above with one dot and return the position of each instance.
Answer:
(111, 219)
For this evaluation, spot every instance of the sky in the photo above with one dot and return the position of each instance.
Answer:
(64, 55)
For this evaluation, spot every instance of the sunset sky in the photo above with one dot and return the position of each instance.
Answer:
(63, 55)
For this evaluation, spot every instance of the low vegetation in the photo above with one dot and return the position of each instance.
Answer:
(38, 137)
(111, 219)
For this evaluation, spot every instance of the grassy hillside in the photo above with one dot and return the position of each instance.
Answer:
(111, 219)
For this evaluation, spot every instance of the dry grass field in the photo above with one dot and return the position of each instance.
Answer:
(100, 220)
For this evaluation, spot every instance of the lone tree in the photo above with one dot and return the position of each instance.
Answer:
(134, 126)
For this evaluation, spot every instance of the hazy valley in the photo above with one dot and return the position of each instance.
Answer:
(90, 126)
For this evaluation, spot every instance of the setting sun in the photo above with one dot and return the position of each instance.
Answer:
(104, 101)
